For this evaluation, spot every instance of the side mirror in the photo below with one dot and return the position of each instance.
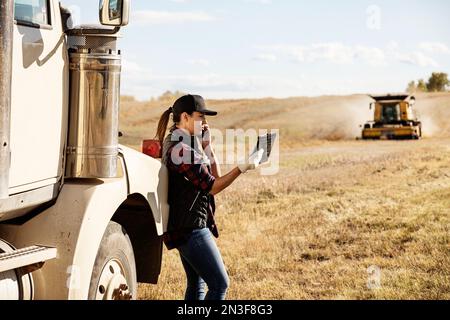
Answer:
(370, 106)
(114, 12)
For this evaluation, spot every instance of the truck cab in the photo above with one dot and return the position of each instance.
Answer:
(81, 217)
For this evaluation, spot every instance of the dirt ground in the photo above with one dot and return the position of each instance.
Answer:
(342, 219)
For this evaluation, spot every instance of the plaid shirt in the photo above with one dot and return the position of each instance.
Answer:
(196, 169)
(193, 165)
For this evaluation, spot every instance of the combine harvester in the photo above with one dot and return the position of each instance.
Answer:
(394, 118)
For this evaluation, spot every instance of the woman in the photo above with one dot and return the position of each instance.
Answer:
(194, 179)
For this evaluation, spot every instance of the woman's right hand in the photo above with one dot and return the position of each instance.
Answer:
(206, 136)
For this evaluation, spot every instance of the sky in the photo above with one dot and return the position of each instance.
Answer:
(278, 48)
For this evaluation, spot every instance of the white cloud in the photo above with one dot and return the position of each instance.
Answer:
(333, 52)
(145, 84)
(266, 57)
(165, 17)
(392, 47)
(373, 56)
(199, 62)
(259, 1)
(435, 47)
(130, 66)
(339, 53)
(417, 59)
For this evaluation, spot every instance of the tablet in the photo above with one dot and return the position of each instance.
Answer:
(265, 142)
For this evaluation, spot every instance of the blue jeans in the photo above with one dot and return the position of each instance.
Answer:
(202, 263)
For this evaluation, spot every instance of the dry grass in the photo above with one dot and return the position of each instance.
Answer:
(336, 208)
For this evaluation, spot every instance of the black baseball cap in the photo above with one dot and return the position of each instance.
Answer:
(190, 103)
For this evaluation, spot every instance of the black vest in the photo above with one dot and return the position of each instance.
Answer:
(190, 208)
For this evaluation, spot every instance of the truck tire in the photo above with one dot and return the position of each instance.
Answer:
(114, 272)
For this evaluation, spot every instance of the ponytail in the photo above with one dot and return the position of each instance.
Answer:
(162, 125)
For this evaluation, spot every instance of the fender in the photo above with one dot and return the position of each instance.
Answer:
(141, 172)
(76, 222)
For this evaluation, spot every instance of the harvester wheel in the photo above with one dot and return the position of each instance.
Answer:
(114, 273)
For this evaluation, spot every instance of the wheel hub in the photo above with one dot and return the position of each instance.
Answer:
(113, 284)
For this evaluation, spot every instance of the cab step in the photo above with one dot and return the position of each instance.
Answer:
(25, 257)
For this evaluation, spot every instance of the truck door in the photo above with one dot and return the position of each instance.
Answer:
(39, 95)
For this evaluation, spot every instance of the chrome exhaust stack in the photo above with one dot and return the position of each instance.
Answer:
(95, 65)
(6, 43)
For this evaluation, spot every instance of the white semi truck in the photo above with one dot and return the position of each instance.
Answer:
(81, 217)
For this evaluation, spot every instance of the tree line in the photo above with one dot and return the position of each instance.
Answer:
(438, 82)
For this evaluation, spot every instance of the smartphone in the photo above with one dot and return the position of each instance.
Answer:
(204, 129)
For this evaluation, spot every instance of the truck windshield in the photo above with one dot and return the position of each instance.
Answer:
(33, 11)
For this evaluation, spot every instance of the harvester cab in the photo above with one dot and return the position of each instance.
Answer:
(394, 118)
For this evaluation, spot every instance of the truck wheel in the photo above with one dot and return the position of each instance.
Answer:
(114, 272)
